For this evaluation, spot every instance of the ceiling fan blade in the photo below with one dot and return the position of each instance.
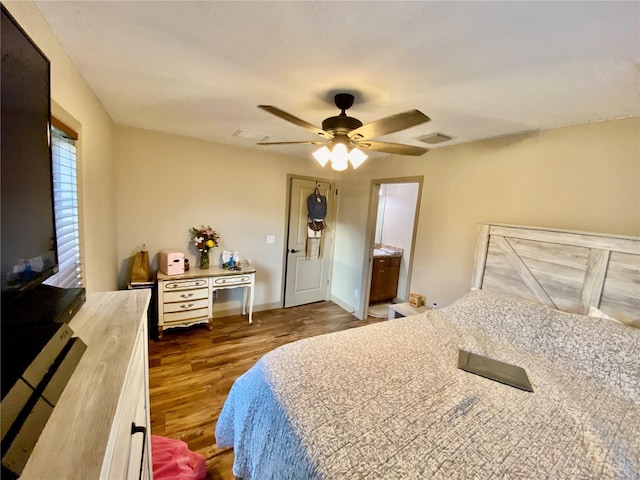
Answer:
(295, 120)
(384, 126)
(310, 142)
(388, 147)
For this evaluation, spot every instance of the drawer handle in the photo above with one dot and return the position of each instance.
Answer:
(185, 306)
(140, 429)
(186, 295)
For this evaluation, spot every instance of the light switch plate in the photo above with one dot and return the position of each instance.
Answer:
(271, 239)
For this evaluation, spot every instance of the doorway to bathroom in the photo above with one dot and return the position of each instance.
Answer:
(393, 218)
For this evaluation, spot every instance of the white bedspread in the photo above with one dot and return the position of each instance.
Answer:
(387, 401)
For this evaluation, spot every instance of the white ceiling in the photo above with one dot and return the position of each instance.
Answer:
(478, 69)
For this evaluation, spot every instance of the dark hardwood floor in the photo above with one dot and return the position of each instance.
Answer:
(191, 370)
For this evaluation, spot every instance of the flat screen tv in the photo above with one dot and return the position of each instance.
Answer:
(29, 254)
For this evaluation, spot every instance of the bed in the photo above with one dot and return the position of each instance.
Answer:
(387, 401)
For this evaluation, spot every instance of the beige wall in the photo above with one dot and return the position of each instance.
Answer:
(167, 184)
(74, 103)
(584, 177)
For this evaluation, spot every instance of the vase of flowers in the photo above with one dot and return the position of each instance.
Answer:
(204, 238)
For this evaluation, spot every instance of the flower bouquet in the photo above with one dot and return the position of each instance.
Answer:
(204, 238)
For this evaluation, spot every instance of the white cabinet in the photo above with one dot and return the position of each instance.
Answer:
(89, 434)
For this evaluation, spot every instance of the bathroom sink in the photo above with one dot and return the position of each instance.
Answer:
(377, 252)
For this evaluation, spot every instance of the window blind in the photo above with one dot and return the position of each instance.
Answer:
(65, 204)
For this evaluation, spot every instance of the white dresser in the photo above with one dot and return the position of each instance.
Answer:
(187, 299)
(100, 427)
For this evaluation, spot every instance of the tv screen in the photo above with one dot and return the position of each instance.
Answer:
(27, 232)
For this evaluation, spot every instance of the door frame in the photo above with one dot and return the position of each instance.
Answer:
(367, 265)
(287, 220)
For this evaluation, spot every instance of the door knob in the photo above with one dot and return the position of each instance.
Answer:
(293, 250)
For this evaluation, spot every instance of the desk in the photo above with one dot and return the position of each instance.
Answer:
(187, 299)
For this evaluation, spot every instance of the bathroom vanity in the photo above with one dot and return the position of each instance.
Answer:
(384, 275)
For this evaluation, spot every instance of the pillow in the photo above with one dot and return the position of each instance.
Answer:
(594, 312)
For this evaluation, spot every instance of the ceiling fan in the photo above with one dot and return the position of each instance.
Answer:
(344, 136)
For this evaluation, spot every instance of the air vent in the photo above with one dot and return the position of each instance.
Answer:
(258, 137)
(434, 138)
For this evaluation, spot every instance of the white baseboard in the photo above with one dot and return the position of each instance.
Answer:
(345, 306)
(227, 312)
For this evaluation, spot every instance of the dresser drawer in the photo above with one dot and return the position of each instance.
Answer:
(171, 285)
(185, 316)
(186, 305)
(185, 295)
(394, 261)
(231, 280)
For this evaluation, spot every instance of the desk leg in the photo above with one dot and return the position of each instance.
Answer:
(244, 300)
(250, 304)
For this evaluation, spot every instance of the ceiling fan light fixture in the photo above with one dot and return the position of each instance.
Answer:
(322, 156)
(339, 157)
(343, 131)
(339, 153)
(339, 165)
(357, 157)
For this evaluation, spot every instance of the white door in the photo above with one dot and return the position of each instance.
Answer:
(308, 259)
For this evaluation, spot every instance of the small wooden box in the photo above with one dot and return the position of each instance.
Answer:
(415, 300)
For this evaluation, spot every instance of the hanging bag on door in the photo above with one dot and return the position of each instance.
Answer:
(317, 211)
(317, 206)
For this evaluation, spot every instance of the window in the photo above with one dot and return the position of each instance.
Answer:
(65, 205)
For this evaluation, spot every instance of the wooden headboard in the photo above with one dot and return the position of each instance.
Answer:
(562, 269)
